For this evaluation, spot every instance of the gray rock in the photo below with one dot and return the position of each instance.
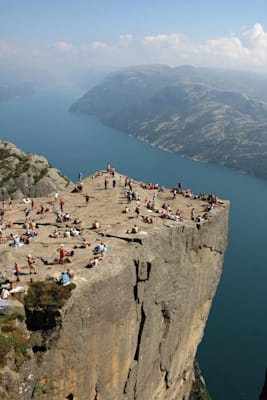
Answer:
(26, 175)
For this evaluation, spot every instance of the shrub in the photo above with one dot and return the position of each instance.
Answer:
(47, 293)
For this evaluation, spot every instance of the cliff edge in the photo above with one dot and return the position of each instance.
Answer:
(132, 325)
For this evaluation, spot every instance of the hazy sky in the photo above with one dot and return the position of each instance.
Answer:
(65, 36)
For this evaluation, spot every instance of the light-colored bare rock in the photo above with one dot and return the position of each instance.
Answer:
(131, 328)
(26, 175)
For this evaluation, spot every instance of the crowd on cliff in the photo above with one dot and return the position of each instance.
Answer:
(67, 225)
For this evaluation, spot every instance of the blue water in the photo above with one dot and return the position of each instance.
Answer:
(233, 354)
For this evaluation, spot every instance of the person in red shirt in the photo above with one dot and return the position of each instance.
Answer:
(62, 204)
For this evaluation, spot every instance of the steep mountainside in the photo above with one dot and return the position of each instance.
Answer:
(208, 115)
(26, 175)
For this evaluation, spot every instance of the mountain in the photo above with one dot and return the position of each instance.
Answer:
(209, 115)
(27, 175)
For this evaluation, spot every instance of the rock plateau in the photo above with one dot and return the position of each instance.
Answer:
(132, 326)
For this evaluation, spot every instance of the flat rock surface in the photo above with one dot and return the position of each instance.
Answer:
(105, 206)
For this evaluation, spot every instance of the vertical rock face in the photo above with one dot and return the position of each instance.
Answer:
(131, 331)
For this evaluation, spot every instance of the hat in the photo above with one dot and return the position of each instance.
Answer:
(29, 255)
(62, 245)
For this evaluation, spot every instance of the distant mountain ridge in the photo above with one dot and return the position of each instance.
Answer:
(205, 114)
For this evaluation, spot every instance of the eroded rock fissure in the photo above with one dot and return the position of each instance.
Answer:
(96, 392)
(211, 249)
(126, 239)
(166, 321)
(140, 332)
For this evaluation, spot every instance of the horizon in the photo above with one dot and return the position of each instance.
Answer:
(66, 41)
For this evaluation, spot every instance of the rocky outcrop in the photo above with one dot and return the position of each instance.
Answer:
(26, 175)
(133, 332)
(132, 325)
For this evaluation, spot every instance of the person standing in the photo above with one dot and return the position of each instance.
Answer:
(17, 271)
(192, 214)
(27, 213)
(62, 202)
(137, 211)
(31, 262)
(62, 254)
(87, 198)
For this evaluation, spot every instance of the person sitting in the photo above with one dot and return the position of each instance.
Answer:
(80, 186)
(70, 273)
(135, 229)
(59, 218)
(85, 244)
(100, 249)
(148, 219)
(4, 293)
(66, 217)
(77, 188)
(64, 279)
(126, 210)
(55, 234)
(94, 262)
(179, 213)
(16, 241)
(95, 225)
(77, 221)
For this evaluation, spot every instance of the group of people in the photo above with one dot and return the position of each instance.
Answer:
(31, 264)
(131, 194)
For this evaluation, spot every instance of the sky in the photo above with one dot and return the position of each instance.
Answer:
(61, 38)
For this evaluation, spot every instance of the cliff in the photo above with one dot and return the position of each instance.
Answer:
(26, 175)
(132, 325)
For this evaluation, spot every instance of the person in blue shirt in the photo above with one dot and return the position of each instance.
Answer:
(65, 279)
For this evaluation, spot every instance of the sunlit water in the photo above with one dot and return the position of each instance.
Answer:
(233, 354)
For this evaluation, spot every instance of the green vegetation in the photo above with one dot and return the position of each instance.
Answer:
(9, 172)
(21, 167)
(47, 293)
(12, 336)
(44, 386)
(41, 174)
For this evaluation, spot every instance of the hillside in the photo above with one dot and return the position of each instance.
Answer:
(27, 175)
(208, 115)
